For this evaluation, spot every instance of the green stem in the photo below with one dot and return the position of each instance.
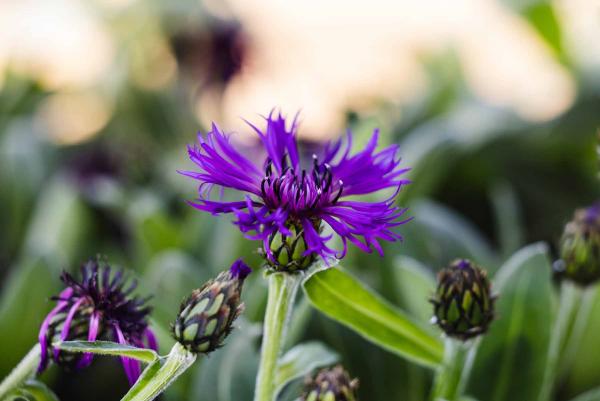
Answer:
(282, 292)
(23, 371)
(570, 299)
(452, 376)
(156, 377)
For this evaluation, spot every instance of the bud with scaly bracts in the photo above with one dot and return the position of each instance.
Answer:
(289, 249)
(207, 315)
(580, 247)
(331, 384)
(463, 304)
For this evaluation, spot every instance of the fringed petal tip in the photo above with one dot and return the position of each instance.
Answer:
(240, 270)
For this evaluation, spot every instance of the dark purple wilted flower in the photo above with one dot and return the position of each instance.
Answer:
(101, 306)
(287, 203)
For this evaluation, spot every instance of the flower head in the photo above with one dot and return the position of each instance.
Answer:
(99, 306)
(207, 315)
(288, 202)
(463, 303)
(580, 247)
(331, 384)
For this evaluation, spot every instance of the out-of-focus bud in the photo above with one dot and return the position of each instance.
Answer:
(331, 384)
(207, 315)
(288, 250)
(463, 305)
(580, 247)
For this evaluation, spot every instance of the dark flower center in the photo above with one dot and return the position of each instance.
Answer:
(300, 192)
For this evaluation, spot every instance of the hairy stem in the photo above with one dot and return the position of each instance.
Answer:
(452, 376)
(570, 299)
(23, 371)
(157, 377)
(282, 292)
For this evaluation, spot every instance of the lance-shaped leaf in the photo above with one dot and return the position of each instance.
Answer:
(344, 299)
(511, 359)
(108, 348)
(301, 360)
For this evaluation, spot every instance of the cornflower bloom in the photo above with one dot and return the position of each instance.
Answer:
(101, 306)
(288, 202)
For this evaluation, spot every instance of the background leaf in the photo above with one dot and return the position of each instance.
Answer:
(301, 360)
(511, 359)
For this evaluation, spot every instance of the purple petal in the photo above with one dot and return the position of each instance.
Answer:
(368, 171)
(280, 142)
(151, 339)
(64, 296)
(92, 335)
(239, 269)
(131, 366)
(64, 334)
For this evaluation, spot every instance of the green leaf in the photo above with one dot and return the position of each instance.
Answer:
(508, 218)
(344, 299)
(592, 395)
(300, 361)
(414, 284)
(452, 234)
(156, 377)
(35, 391)
(108, 348)
(511, 360)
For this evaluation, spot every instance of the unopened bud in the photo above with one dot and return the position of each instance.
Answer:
(463, 305)
(331, 384)
(207, 315)
(288, 250)
(580, 247)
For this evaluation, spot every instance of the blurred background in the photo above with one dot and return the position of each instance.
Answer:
(495, 104)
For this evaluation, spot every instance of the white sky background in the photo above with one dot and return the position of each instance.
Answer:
(320, 56)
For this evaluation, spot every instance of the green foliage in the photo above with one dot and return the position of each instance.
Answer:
(511, 360)
(344, 299)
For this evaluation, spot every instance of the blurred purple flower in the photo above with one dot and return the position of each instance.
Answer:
(99, 307)
(287, 197)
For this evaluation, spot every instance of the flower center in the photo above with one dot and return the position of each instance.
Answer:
(300, 192)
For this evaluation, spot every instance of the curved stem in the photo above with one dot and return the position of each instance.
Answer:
(282, 292)
(452, 376)
(570, 298)
(23, 371)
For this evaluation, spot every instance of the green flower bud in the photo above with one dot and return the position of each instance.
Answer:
(580, 248)
(331, 384)
(288, 250)
(207, 315)
(463, 306)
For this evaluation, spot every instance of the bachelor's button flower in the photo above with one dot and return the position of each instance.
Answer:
(99, 306)
(206, 317)
(580, 247)
(288, 202)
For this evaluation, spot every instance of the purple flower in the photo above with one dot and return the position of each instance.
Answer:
(288, 202)
(99, 306)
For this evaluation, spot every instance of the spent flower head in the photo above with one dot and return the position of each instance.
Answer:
(288, 201)
(463, 304)
(99, 306)
(206, 317)
(331, 384)
(580, 247)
